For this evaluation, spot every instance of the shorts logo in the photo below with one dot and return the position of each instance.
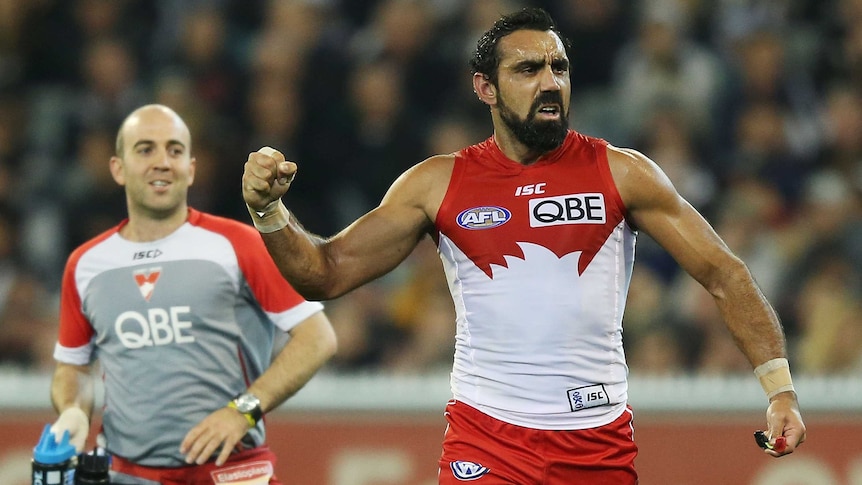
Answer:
(483, 217)
(467, 470)
(253, 473)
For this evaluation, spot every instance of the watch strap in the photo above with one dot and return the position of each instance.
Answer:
(253, 415)
(248, 416)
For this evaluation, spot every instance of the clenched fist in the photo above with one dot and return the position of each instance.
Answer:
(266, 178)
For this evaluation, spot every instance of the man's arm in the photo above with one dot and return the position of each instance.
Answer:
(312, 342)
(325, 268)
(657, 208)
(72, 396)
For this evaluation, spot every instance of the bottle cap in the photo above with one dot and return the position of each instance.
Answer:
(48, 451)
(94, 463)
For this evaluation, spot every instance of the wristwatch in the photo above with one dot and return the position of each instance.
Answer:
(248, 405)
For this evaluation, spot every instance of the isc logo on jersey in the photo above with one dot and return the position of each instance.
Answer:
(587, 208)
(483, 217)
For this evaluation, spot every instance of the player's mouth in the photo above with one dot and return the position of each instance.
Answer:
(549, 111)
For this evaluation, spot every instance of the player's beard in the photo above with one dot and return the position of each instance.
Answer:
(539, 136)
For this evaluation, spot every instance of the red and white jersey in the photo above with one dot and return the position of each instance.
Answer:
(179, 325)
(538, 259)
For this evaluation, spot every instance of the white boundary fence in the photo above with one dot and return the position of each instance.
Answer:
(361, 392)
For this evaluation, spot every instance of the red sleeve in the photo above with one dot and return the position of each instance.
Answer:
(272, 291)
(75, 329)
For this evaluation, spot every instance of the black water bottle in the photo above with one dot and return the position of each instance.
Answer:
(93, 468)
(53, 463)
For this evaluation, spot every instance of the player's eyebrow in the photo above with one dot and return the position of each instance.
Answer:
(528, 63)
(170, 143)
(538, 63)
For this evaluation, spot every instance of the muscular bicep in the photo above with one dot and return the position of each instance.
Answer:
(656, 208)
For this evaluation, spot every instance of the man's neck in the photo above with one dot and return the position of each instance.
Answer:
(147, 228)
(515, 150)
(511, 146)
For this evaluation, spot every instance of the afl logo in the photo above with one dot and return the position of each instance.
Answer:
(483, 217)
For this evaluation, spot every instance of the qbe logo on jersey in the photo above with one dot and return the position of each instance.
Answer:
(587, 208)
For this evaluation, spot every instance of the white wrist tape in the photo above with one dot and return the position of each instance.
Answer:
(774, 377)
(272, 218)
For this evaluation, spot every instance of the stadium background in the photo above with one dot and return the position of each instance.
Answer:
(753, 108)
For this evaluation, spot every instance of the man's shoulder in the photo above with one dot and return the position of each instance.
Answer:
(94, 242)
(433, 169)
(475, 149)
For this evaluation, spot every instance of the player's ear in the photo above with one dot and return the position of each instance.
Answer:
(117, 170)
(484, 88)
(192, 165)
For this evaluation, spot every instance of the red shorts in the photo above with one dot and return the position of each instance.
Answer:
(487, 451)
(249, 467)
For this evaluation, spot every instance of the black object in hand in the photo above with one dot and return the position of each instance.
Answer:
(763, 442)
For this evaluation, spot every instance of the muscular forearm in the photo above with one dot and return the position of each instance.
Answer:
(302, 260)
(323, 269)
(749, 317)
(299, 255)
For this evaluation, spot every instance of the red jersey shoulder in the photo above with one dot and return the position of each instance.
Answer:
(236, 232)
(78, 252)
(473, 150)
(272, 291)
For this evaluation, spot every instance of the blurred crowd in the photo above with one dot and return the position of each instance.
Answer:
(752, 107)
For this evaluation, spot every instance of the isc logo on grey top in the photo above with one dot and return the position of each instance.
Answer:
(587, 208)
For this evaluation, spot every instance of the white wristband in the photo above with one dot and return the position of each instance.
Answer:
(774, 376)
(272, 218)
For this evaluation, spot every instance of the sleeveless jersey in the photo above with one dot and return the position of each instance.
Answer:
(179, 326)
(538, 260)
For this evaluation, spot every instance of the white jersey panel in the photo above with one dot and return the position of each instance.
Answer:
(529, 380)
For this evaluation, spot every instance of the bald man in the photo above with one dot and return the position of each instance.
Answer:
(181, 309)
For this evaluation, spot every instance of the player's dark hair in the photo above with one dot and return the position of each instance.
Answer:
(486, 58)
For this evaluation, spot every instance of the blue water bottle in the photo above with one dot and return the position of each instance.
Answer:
(54, 463)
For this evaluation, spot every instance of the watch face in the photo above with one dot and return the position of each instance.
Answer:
(247, 403)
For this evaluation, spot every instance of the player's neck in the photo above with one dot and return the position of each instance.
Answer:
(144, 227)
(514, 149)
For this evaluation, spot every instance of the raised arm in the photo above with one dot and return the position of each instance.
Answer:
(325, 268)
(656, 208)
